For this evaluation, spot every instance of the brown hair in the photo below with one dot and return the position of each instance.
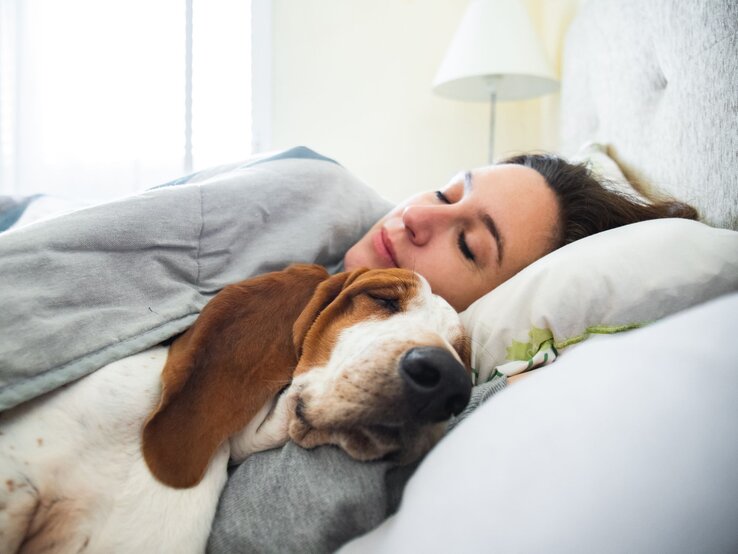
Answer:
(588, 205)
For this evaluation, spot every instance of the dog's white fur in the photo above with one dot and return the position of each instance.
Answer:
(72, 474)
(73, 459)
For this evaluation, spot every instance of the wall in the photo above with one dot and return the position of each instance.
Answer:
(352, 79)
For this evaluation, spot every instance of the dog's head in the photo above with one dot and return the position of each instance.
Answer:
(383, 363)
(375, 364)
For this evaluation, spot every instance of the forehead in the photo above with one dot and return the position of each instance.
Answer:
(523, 205)
(503, 179)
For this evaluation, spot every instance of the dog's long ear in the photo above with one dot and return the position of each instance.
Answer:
(237, 355)
(326, 293)
(462, 345)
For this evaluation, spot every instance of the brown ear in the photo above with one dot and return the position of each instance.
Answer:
(462, 345)
(326, 293)
(237, 355)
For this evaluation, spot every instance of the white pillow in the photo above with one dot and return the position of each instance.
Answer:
(609, 282)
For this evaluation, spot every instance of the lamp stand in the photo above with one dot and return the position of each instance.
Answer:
(492, 110)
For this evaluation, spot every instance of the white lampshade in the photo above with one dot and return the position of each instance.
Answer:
(495, 50)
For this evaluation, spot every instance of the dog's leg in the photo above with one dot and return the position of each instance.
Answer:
(65, 456)
(267, 430)
(18, 505)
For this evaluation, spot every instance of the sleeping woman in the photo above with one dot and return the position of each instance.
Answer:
(126, 275)
(488, 224)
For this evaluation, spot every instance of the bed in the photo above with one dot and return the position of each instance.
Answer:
(627, 442)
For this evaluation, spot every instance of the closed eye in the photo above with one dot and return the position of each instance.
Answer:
(442, 197)
(392, 305)
(461, 241)
(464, 247)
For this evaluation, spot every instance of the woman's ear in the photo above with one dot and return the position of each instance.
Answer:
(236, 357)
(326, 293)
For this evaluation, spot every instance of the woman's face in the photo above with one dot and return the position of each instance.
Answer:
(469, 237)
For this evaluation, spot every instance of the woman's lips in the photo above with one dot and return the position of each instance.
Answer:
(383, 248)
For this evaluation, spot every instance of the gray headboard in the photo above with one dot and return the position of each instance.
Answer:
(657, 81)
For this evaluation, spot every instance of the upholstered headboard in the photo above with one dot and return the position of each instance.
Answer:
(657, 81)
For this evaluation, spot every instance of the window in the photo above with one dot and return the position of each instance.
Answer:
(101, 98)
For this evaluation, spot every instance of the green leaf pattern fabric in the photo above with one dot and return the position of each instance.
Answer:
(523, 356)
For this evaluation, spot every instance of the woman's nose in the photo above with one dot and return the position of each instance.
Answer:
(422, 222)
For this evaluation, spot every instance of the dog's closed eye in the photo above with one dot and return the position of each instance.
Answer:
(388, 303)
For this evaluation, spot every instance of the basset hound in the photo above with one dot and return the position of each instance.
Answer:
(133, 457)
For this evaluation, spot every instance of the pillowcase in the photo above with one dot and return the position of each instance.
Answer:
(596, 156)
(606, 283)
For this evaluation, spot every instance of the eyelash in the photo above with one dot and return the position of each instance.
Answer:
(442, 197)
(463, 246)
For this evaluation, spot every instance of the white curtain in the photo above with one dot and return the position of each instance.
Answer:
(101, 98)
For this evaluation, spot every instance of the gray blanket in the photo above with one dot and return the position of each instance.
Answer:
(87, 288)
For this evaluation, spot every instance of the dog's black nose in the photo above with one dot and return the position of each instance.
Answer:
(436, 383)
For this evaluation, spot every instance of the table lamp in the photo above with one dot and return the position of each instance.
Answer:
(494, 55)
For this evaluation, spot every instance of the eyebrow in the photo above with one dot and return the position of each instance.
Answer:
(489, 223)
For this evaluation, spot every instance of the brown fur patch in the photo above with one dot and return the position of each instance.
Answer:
(462, 345)
(359, 300)
(237, 355)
